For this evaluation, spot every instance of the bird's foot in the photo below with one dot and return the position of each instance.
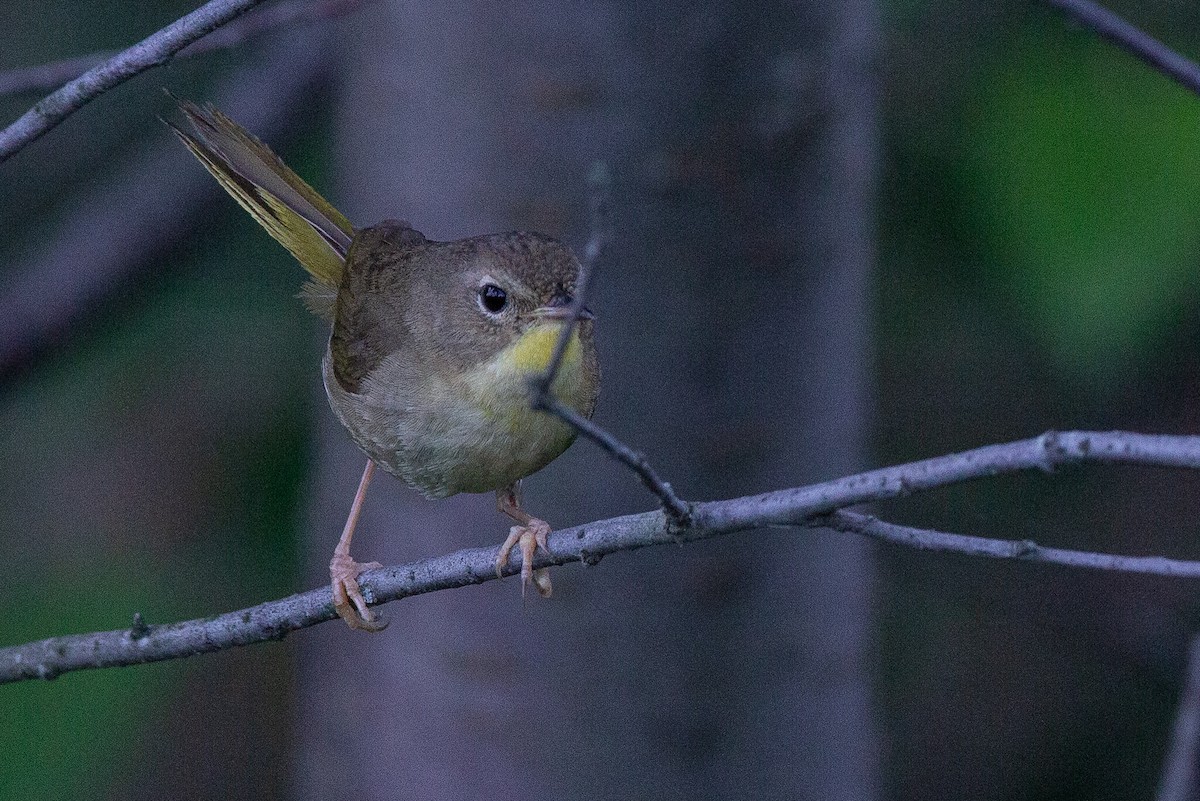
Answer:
(528, 538)
(348, 599)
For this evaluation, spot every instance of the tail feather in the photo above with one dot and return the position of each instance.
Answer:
(291, 211)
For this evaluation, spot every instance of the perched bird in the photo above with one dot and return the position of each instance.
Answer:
(432, 348)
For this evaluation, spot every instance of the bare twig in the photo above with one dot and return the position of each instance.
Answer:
(108, 233)
(154, 50)
(1025, 550)
(815, 505)
(287, 13)
(1178, 782)
(678, 511)
(599, 185)
(599, 188)
(1132, 39)
(1047, 452)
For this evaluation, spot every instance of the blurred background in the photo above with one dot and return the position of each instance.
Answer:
(846, 237)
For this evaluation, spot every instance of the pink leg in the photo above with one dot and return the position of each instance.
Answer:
(528, 534)
(344, 572)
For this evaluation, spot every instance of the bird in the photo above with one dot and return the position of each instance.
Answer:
(432, 349)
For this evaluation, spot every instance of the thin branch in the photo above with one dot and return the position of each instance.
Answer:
(1134, 40)
(107, 234)
(815, 505)
(288, 13)
(1179, 775)
(599, 189)
(154, 50)
(1047, 453)
(1024, 550)
(677, 510)
(599, 186)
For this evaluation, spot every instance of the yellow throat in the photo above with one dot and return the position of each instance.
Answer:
(531, 353)
(501, 385)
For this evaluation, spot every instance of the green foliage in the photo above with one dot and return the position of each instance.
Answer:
(155, 465)
(68, 737)
(1088, 182)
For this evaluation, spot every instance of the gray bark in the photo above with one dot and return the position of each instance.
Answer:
(733, 334)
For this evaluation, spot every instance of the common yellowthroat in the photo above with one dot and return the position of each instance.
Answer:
(432, 348)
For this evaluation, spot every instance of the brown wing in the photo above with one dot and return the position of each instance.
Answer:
(369, 315)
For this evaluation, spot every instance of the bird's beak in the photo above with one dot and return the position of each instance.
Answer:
(560, 309)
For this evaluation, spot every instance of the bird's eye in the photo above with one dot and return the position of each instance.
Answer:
(492, 299)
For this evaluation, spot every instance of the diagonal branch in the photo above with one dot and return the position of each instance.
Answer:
(108, 233)
(599, 185)
(1133, 40)
(287, 13)
(153, 51)
(678, 511)
(816, 505)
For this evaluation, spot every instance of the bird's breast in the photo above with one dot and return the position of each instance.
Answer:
(475, 432)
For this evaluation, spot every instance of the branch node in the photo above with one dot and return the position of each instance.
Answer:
(1025, 548)
(678, 512)
(140, 628)
(1054, 452)
(590, 558)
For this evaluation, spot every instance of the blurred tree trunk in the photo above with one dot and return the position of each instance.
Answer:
(734, 334)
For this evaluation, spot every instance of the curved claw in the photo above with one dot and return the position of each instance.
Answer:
(528, 538)
(348, 600)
